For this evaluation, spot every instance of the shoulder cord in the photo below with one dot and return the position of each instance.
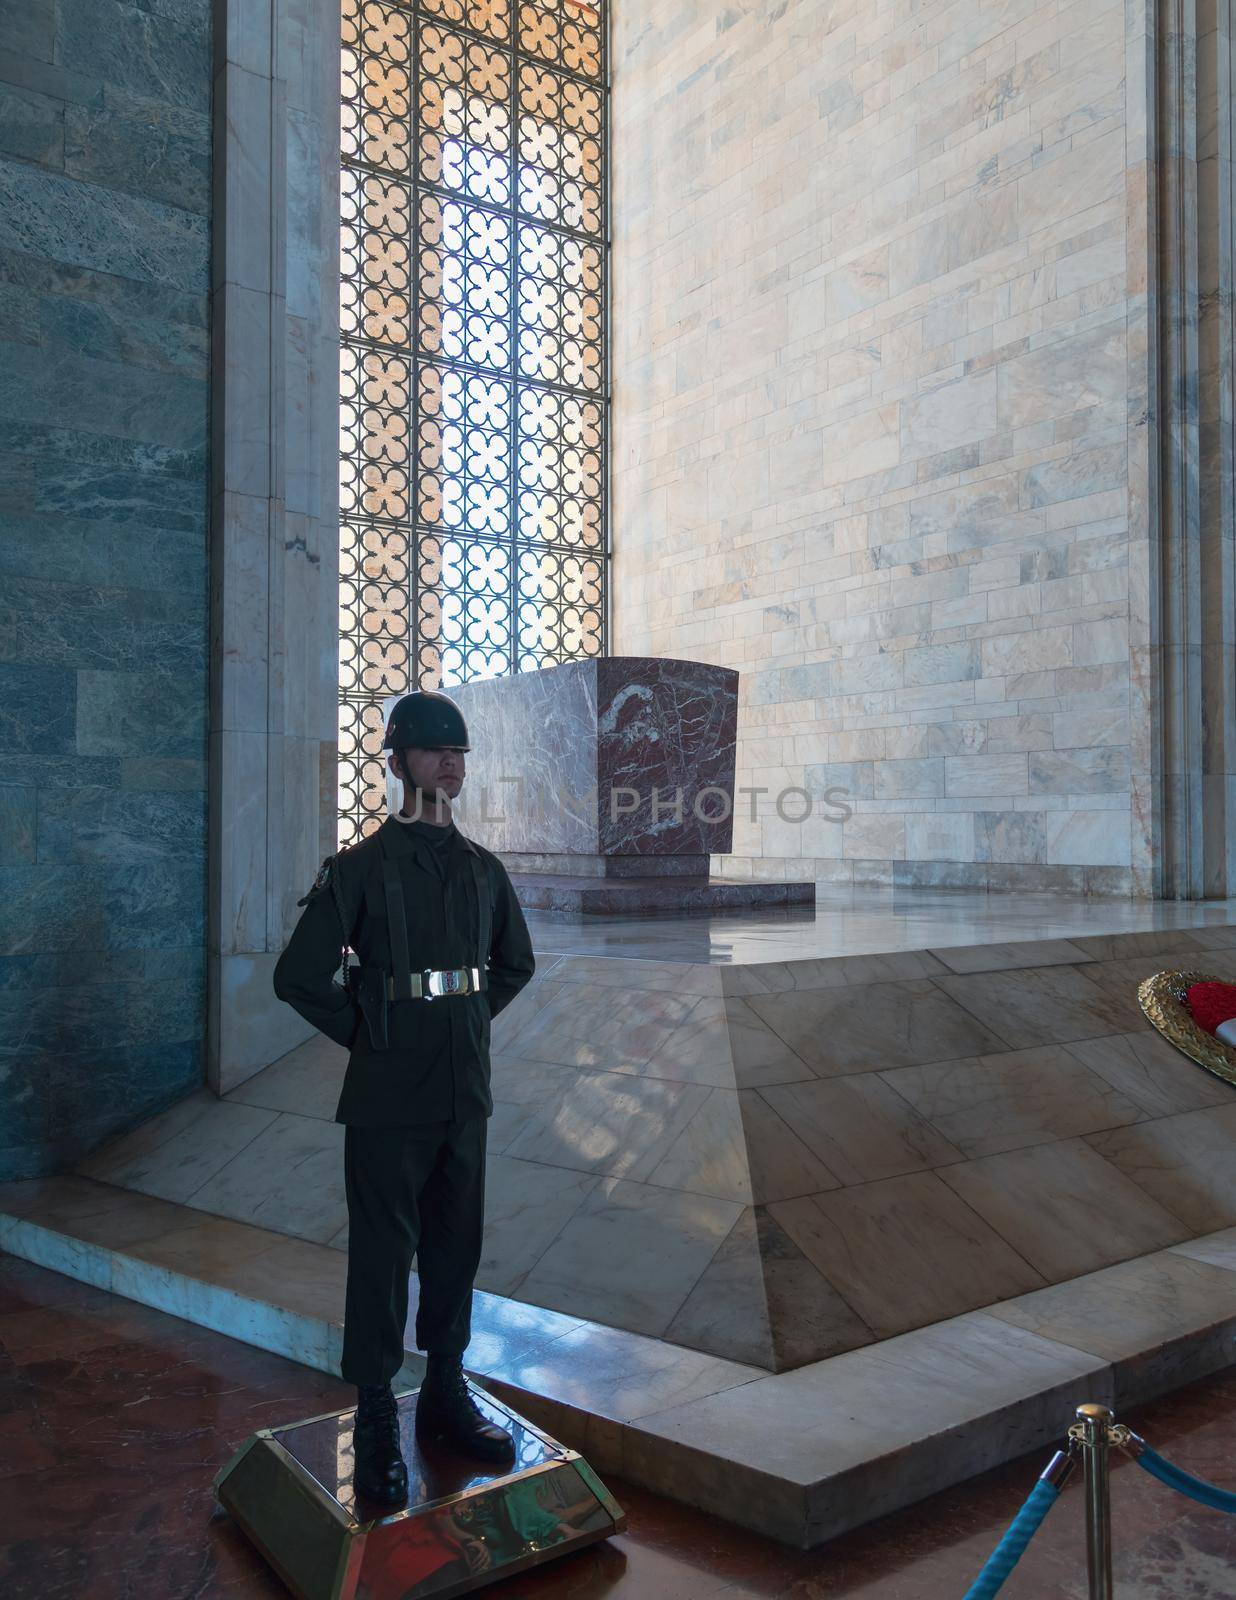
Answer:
(345, 971)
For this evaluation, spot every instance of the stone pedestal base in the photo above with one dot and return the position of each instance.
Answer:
(464, 1525)
(667, 896)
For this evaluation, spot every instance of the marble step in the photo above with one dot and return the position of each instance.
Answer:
(625, 897)
(802, 1455)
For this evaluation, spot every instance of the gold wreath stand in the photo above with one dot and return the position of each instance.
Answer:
(464, 1526)
(1162, 998)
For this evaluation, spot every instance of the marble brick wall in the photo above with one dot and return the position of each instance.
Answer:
(105, 172)
(879, 373)
(275, 527)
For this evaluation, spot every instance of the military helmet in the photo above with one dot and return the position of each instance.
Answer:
(425, 719)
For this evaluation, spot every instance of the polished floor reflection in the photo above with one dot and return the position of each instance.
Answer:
(865, 921)
(116, 1417)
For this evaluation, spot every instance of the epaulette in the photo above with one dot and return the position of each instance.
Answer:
(329, 874)
(321, 882)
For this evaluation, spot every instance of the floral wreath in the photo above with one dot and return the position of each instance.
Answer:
(1196, 1012)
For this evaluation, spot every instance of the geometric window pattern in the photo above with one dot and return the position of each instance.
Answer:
(473, 354)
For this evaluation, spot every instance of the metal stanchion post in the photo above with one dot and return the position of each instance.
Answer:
(1094, 1423)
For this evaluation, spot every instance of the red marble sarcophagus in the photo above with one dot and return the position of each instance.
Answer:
(606, 785)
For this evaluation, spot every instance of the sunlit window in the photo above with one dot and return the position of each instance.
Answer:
(473, 371)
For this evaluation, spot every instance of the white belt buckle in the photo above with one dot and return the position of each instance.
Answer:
(439, 983)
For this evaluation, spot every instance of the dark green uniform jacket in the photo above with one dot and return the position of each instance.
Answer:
(436, 1066)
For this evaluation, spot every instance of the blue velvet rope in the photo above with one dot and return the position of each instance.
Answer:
(1009, 1551)
(1185, 1483)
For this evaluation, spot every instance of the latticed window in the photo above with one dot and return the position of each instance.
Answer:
(474, 372)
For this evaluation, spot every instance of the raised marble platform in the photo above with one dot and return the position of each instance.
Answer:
(774, 1165)
(778, 1160)
(803, 1456)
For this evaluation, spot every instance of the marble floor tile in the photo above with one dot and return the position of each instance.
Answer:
(833, 972)
(629, 1254)
(307, 1080)
(620, 1375)
(757, 1054)
(290, 1178)
(591, 1025)
(760, 1300)
(1130, 946)
(650, 972)
(1124, 976)
(1021, 1097)
(1151, 1072)
(519, 1080)
(841, 1031)
(860, 1128)
(1002, 957)
(698, 1051)
(506, 1330)
(1217, 1248)
(611, 1123)
(192, 1142)
(1136, 1314)
(709, 1156)
(737, 1148)
(206, 1248)
(820, 1421)
(905, 1252)
(527, 1205)
(1187, 1162)
(506, 1027)
(1063, 1208)
(1042, 1005)
(293, 1274)
(91, 1210)
(505, 1122)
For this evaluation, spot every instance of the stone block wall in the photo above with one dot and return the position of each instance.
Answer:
(105, 181)
(880, 381)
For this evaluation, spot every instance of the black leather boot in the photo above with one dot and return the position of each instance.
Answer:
(447, 1414)
(379, 1471)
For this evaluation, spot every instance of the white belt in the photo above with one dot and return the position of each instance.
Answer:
(429, 984)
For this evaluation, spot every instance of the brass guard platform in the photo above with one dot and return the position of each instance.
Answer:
(464, 1526)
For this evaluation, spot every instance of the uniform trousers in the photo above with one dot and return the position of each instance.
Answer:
(415, 1191)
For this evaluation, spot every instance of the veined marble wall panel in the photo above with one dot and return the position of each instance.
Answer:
(881, 377)
(105, 243)
(275, 551)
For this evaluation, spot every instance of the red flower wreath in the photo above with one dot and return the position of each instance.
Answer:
(1213, 1007)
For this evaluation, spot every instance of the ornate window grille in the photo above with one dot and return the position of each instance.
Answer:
(474, 354)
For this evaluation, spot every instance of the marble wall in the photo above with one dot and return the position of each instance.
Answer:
(105, 172)
(881, 385)
(275, 533)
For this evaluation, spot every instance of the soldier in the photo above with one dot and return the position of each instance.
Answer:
(440, 947)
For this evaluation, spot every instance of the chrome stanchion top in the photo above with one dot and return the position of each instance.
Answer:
(1092, 1430)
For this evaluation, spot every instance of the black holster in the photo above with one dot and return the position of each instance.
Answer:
(369, 987)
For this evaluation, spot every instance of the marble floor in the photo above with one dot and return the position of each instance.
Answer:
(115, 1418)
(864, 922)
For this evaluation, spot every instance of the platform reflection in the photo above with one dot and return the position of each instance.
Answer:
(323, 1446)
